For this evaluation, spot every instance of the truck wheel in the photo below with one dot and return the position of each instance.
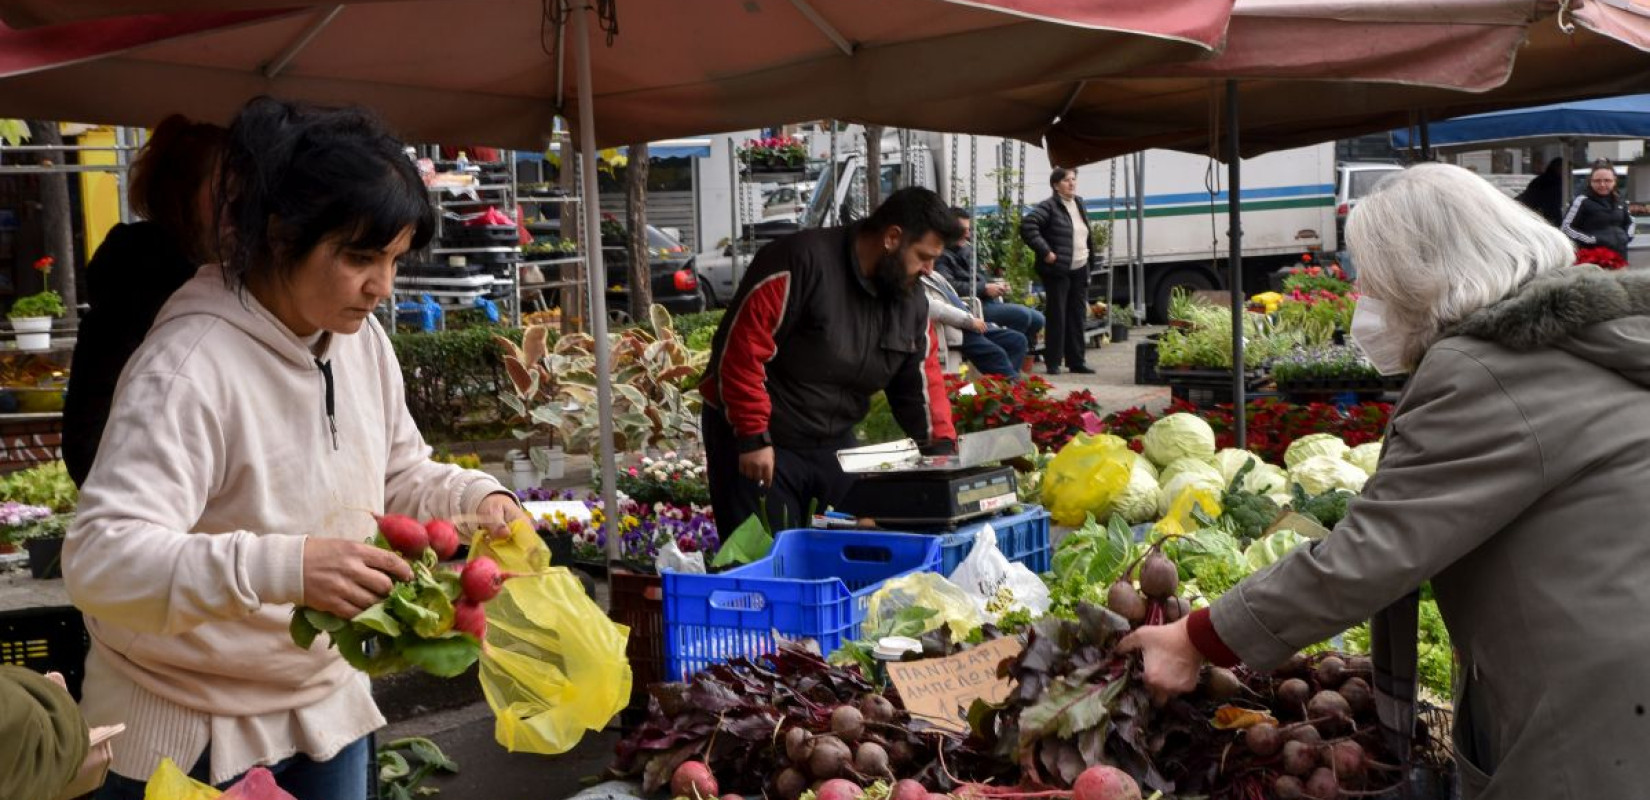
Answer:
(1189, 279)
(708, 294)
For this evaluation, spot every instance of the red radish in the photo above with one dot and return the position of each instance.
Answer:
(1105, 783)
(908, 790)
(470, 618)
(839, 789)
(404, 534)
(693, 780)
(443, 537)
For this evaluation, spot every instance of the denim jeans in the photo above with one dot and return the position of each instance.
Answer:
(998, 351)
(343, 777)
(1028, 321)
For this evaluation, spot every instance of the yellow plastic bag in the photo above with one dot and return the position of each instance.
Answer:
(170, 783)
(1085, 477)
(1179, 520)
(553, 665)
(922, 590)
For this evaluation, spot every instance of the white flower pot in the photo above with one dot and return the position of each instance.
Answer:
(522, 475)
(33, 333)
(551, 462)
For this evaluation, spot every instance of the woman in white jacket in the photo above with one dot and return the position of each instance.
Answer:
(260, 421)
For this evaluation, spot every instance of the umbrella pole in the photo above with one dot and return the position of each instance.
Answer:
(1234, 215)
(597, 285)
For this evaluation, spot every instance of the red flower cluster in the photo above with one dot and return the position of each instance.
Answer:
(999, 401)
(44, 264)
(1604, 257)
(1272, 424)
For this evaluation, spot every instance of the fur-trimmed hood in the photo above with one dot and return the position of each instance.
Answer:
(1603, 317)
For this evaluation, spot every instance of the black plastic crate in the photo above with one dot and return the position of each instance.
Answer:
(1145, 364)
(480, 235)
(50, 639)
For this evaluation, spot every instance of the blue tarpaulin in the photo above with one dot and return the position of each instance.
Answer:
(1611, 118)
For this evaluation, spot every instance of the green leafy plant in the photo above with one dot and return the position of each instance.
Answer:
(1328, 362)
(1207, 344)
(453, 379)
(404, 764)
(45, 484)
(552, 389)
(45, 303)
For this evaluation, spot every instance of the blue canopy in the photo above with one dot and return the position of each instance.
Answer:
(1611, 118)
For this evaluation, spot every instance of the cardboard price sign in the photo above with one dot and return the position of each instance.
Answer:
(940, 690)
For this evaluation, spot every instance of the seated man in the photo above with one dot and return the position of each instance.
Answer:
(992, 349)
(967, 278)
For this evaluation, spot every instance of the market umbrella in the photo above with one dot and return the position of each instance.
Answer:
(493, 71)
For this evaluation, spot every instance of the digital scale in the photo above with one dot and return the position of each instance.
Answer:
(897, 485)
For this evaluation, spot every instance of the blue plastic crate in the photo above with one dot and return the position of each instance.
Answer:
(1022, 538)
(814, 584)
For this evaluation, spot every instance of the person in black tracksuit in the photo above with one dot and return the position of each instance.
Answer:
(1597, 217)
(137, 269)
(1064, 254)
(823, 320)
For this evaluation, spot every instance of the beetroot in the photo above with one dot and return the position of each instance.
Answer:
(1329, 709)
(848, 723)
(872, 761)
(470, 618)
(839, 789)
(1123, 599)
(829, 757)
(692, 779)
(1298, 758)
(876, 708)
(798, 746)
(1176, 607)
(1358, 695)
(1348, 758)
(1322, 785)
(404, 534)
(1105, 783)
(443, 537)
(1330, 672)
(1263, 739)
(1223, 683)
(1288, 787)
(1294, 693)
(790, 783)
(1303, 733)
(1158, 577)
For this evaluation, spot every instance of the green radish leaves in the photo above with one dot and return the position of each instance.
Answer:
(412, 627)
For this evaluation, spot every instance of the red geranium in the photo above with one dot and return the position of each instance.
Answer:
(44, 264)
(1604, 257)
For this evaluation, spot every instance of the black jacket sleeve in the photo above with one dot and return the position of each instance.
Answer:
(1032, 227)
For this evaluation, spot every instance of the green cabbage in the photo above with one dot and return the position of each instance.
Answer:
(1230, 460)
(1177, 436)
(1180, 466)
(1266, 550)
(1139, 501)
(1319, 474)
(1364, 456)
(1314, 444)
(1267, 479)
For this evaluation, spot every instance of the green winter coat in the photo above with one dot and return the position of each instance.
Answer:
(1516, 477)
(43, 739)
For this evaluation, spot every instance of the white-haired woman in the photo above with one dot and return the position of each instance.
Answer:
(1513, 478)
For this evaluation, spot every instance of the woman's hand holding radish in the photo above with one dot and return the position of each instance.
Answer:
(343, 577)
(1172, 662)
(498, 510)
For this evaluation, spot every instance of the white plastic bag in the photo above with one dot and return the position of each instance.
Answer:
(672, 559)
(986, 572)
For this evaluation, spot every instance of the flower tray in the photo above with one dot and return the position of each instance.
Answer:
(1206, 387)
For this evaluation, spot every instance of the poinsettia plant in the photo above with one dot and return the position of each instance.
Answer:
(1272, 424)
(1603, 257)
(995, 401)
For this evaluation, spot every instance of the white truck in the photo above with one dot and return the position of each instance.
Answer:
(1293, 202)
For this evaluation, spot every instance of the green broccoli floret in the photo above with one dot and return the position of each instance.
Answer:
(1327, 508)
(1249, 515)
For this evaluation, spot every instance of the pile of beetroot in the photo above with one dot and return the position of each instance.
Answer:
(1078, 723)
(435, 622)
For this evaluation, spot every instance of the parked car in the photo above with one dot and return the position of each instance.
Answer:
(675, 283)
(1352, 182)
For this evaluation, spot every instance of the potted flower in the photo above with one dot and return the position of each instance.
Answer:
(774, 154)
(31, 316)
(38, 529)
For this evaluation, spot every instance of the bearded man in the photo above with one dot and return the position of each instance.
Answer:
(823, 320)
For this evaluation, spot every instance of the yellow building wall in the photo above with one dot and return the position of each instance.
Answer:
(99, 191)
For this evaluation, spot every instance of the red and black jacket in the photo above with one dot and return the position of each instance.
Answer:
(807, 341)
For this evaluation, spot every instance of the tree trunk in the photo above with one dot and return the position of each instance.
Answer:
(55, 219)
(873, 168)
(635, 203)
(574, 299)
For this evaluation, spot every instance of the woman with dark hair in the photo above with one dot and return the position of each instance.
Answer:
(138, 266)
(1057, 231)
(260, 421)
(1597, 217)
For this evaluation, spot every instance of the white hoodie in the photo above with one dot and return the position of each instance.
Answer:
(186, 555)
